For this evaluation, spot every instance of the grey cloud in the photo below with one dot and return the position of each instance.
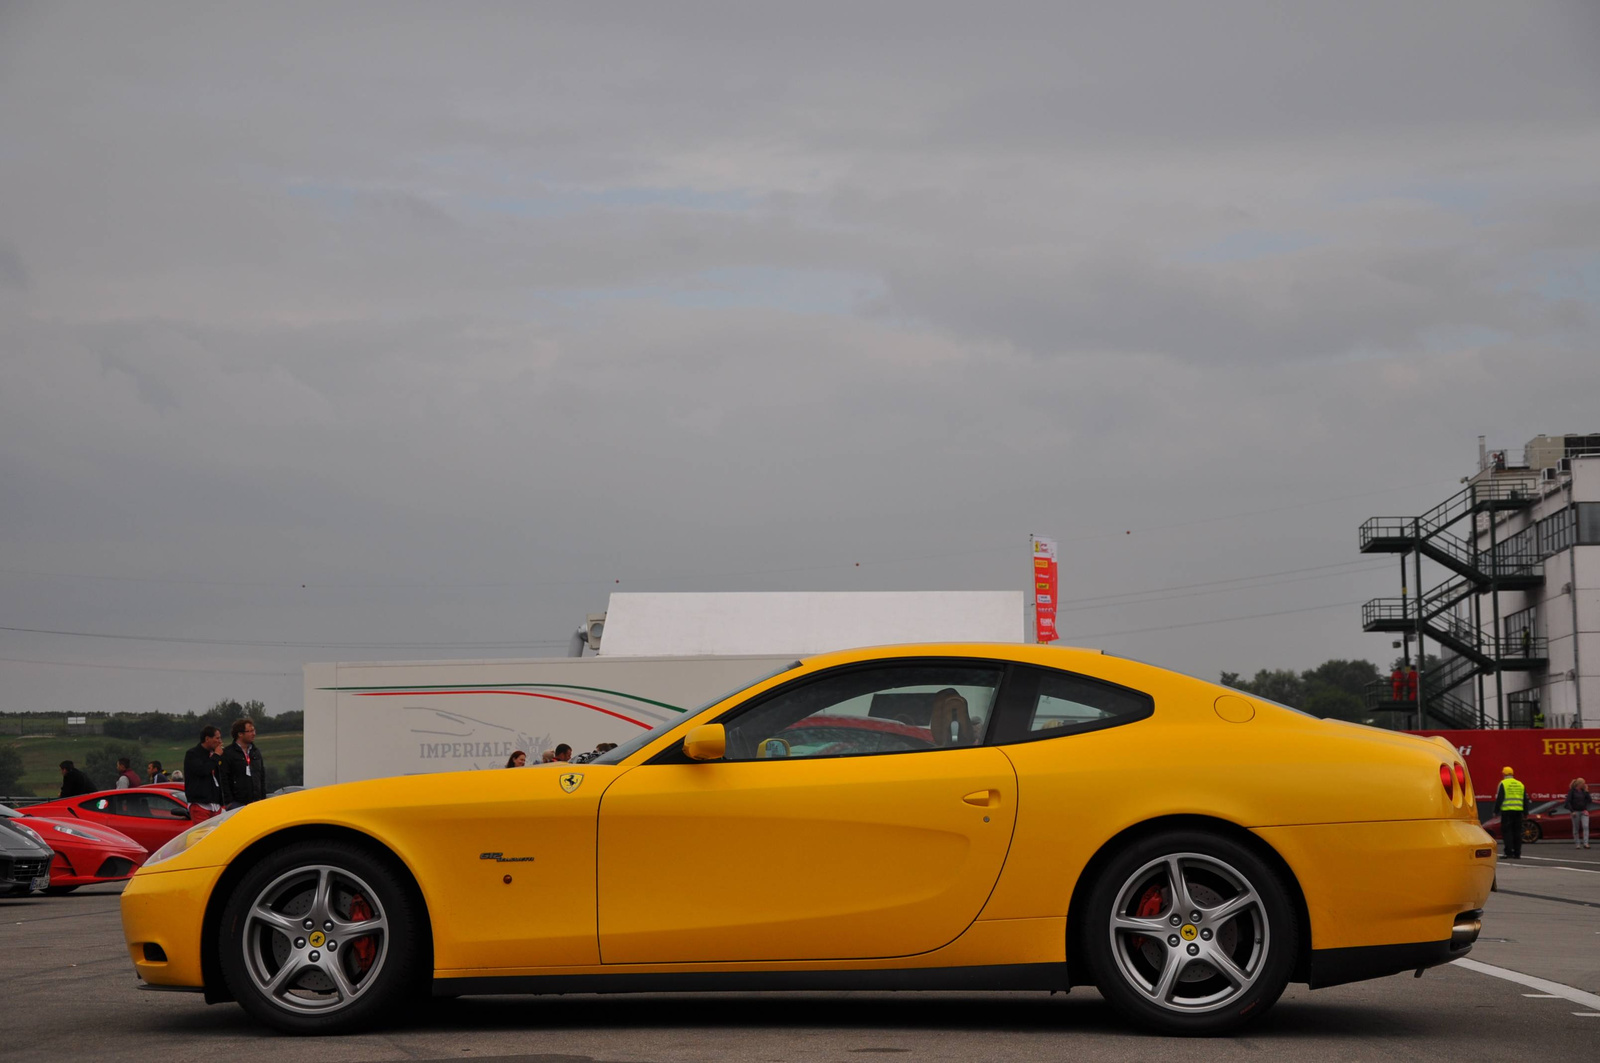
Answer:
(484, 309)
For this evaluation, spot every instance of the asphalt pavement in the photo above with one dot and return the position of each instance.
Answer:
(1531, 991)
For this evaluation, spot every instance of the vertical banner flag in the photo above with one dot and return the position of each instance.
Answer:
(1044, 590)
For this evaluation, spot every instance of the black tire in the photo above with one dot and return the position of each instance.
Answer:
(1531, 832)
(293, 976)
(1182, 988)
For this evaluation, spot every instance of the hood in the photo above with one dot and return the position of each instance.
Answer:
(17, 841)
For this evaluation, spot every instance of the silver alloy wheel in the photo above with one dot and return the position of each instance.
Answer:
(1204, 946)
(303, 939)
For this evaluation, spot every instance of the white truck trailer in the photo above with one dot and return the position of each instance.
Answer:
(664, 654)
(368, 720)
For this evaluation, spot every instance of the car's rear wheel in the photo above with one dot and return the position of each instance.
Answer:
(1190, 933)
(321, 937)
(1531, 831)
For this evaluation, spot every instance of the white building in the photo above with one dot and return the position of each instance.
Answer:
(1514, 616)
(1559, 531)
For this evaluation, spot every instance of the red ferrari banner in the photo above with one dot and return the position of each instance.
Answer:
(1044, 590)
(1546, 762)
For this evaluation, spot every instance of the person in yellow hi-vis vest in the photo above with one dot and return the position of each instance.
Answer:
(1511, 800)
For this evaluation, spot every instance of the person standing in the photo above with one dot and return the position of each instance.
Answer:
(126, 776)
(1579, 801)
(74, 782)
(200, 768)
(517, 759)
(156, 774)
(1510, 800)
(243, 773)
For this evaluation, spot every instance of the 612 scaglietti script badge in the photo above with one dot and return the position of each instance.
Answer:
(571, 781)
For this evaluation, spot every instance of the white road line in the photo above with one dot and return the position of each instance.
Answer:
(1558, 860)
(1541, 996)
(1558, 867)
(1544, 985)
(1587, 1014)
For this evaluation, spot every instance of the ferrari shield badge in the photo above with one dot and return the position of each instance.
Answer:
(571, 780)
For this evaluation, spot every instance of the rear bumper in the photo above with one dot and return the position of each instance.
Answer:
(1399, 884)
(1337, 966)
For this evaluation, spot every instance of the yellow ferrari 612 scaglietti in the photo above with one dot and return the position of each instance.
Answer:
(968, 817)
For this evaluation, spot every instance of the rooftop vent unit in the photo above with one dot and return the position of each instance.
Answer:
(1564, 465)
(1547, 476)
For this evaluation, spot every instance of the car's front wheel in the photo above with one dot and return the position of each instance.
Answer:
(321, 937)
(1190, 933)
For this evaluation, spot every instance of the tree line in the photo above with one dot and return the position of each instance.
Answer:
(1333, 689)
(166, 725)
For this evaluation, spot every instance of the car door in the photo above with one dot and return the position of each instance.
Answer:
(151, 819)
(856, 814)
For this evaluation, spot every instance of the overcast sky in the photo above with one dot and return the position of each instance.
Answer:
(344, 333)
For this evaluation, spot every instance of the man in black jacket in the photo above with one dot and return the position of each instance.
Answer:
(74, 781)
(201, 766)
(243, 773)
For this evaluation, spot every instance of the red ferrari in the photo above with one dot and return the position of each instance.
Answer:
(150, 815)
(84, 854)
(1548, 819)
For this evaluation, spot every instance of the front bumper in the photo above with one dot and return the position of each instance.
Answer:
(163, 913)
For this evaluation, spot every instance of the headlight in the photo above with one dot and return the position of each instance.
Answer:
(187, 840)
(76, 832)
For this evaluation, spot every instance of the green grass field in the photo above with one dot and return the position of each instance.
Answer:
(42, 756)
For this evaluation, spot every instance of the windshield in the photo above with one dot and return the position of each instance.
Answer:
(644, 738)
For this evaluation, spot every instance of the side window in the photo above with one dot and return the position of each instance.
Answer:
(99, 804)
(898, 708)
(1049, 704)
(132, 805)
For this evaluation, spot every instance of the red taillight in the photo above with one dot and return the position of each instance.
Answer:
(1461, 780)
(1447, 780)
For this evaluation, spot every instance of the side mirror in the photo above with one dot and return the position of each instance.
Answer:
(707, 742)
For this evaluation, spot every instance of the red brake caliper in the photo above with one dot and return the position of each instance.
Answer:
(1149, 904)
(366, 948)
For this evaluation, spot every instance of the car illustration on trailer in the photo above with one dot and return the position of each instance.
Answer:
(932, 817)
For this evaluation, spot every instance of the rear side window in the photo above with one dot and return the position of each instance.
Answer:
(1044, 703)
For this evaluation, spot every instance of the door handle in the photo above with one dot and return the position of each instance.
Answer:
(983, 798)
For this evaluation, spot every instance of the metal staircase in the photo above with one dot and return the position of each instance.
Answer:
(1435, 612)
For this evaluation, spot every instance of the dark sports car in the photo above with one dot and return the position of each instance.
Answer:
(24, 860)
(83, 855)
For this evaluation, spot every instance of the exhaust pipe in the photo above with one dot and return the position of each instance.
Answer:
(1468, 926)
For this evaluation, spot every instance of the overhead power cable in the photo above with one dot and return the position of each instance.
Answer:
(286, 645)
(143, 667)
(1208, 620)
(895, 559)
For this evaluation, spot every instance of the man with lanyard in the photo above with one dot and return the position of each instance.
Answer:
(243, 773)
(200, 786)
(1510, 801)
